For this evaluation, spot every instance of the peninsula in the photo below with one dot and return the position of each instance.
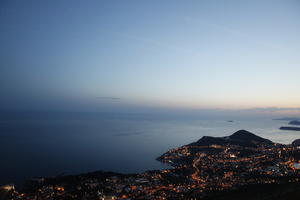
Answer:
(290, 128)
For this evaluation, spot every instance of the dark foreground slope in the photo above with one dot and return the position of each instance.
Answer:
(287, 191)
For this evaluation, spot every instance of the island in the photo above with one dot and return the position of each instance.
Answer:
(295, 122)
(289, 128)
(240, 166)
(288, 118)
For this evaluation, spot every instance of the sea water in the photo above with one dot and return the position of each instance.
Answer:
(51, 146)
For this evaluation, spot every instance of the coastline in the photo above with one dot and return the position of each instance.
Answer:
(191, 175)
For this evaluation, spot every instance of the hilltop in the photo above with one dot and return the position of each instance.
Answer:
(241, 137)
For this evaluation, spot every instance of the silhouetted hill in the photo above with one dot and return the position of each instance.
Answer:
(241, 137)
(294, 122)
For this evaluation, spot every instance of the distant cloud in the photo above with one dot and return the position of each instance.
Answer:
(216, 26)
(278, 111)
(128, 134)
(109, 98)
(153, 42)
(273, 109)
(232, 31)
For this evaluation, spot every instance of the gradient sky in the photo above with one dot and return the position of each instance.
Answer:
(114, 54)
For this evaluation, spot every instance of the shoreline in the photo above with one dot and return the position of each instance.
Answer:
(199, 168)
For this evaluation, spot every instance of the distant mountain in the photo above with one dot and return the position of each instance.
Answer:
(241, 137)
(294, 122)
(287, 118)
(289, 128)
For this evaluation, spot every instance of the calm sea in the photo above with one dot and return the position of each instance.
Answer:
(55, 145)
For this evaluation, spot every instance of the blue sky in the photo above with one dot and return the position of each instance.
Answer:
(114, 55)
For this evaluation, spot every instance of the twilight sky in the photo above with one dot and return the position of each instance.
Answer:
(114, 54)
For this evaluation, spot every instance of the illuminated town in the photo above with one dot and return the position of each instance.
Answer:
(198, 170)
